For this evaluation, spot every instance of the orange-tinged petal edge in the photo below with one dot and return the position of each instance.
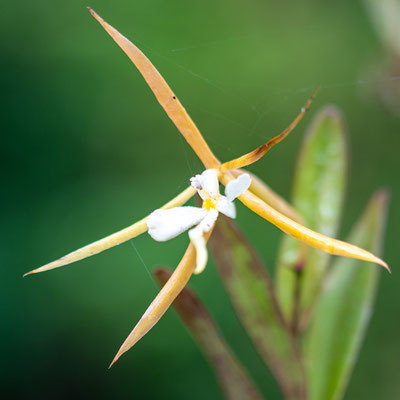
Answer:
(300, 232)
(260, 151)
(161, 303)
(114, 239)
(163, 300)
(165, 96)
(265, 193)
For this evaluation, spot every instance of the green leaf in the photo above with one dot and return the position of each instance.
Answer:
(231, 376)
(385, 16)
(252, 296)
(344, 309)
(318, 193)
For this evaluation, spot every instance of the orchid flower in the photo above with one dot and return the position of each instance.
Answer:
(167, 224)
(172, 219)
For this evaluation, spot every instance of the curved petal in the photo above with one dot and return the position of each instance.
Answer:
(300, 232)
(265, 193)
(260, 151)
(116, 238)
(226, 207)
(207, 181)
(238, 186)
(164, 299)
(164, 95)
(230, 374)
(164, 225)
(196, 236)
(306, 235)
(162, 302)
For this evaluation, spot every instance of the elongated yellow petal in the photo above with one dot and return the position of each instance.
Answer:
(165, 96)
(300, 232)
(161, 303)
(260, 151)
(265, 193)
(163, 300)
(114, 239)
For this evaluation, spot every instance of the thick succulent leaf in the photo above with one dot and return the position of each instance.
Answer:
(251, 293)
(230, 374)
(318, 193)
(344, 309)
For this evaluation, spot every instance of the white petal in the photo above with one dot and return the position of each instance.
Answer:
(237, 187)
(209, 220)
(195, 182)
(210, 181)
(207, 181)
(196, 236)
(226, 207)
(167, 224)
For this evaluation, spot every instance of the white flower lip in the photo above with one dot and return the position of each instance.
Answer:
(167, 224)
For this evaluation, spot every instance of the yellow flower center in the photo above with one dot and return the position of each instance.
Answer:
(208, 204)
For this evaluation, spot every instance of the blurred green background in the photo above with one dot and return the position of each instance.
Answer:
(87, 150)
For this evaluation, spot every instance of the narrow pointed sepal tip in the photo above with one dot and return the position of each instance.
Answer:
(383, 264)
(35, 271)
(94, 13)
(114, 360)
(387, 268)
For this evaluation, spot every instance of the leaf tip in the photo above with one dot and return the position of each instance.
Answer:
(383, 196)
(161, 274)
(332, 111)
